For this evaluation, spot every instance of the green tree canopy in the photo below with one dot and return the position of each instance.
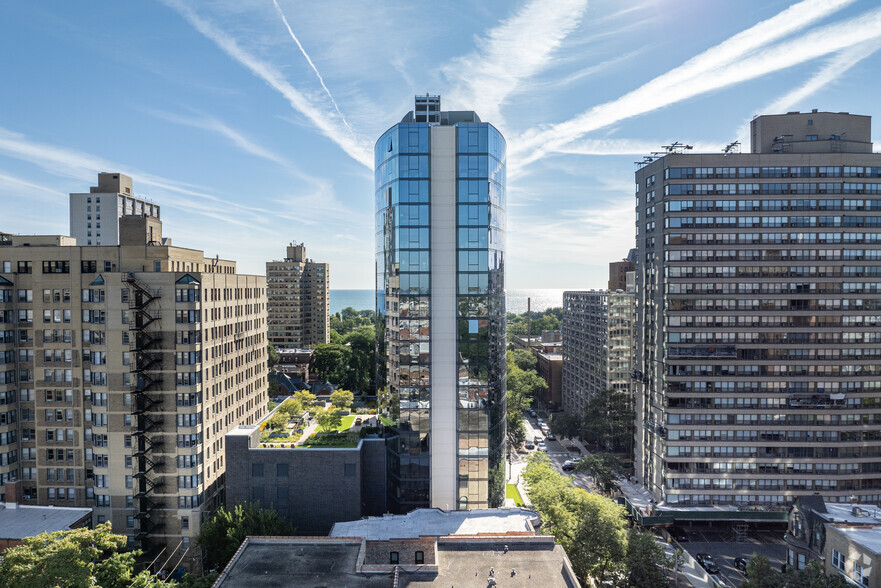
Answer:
(604, 467)
(328, 419)
(304, 397)
(342, 399)
(222, 534)
(273, 357)
(591, 528)
(760, 574)
(79, 557)
(332, 362)
(609, 420)
(524, 359)
(645, 561)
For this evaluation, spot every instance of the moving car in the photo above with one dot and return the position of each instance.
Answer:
(707, 562)
(573, 449)
(551, 437)
(532, 413)
(542, 446)
(530, 445)
(740, 564)
(569, 465)
(678, 533)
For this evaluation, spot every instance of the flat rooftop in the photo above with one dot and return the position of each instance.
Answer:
(322, 561)
(866, 537)
(27, 521)
(297, 563)
(438, 523)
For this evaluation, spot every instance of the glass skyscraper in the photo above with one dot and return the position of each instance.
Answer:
(440, 300)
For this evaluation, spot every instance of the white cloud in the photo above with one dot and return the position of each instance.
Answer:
(207, 123)
(732, 61)
(514, 51)
(327, 121)
(311, 64)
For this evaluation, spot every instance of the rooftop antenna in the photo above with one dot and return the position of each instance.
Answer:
(676, 147)
(731, 148)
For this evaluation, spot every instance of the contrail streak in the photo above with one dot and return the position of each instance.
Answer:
(312, 65)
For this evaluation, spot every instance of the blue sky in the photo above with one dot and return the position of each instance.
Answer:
(252, 121)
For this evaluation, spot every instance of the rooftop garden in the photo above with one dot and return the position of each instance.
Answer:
(301, 421)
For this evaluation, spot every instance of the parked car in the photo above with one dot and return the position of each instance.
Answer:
(539, 421)
(706, 560)
(569, 465)
(546, 430)
(358, 421)
(740, 564)
(678, 533)
(530, 445)
(532, 413)
(538, 439)
(542, 446)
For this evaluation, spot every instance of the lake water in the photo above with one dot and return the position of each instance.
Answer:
(542, 298)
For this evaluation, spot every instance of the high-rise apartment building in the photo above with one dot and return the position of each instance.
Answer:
(297, 293)
(440, 243)
(114, 194)
(121, 369)
(598, 345)
(759, 317)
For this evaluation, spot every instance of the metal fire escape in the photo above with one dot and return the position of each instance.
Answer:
(145, 342)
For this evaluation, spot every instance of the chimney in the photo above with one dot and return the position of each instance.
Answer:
(13, 494)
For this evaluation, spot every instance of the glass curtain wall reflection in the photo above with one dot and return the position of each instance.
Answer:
(471, 238)
(403, 306)
(480, 298)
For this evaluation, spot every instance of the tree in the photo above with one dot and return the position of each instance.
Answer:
(328, 419)
(332, 362)
(79, 557)
(222, 534)
(566, 425)
(291, 407)
(760, 574)
(591, 528)
(272, 356)
(814, 576)
(342, 399)
(305, 398)
(645, 561)
(609, 420)
(604, 467)
(524, 359)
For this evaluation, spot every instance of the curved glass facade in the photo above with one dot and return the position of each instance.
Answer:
(473, 392)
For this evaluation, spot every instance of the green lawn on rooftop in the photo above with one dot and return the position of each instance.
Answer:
(512, 492)
(347, 423)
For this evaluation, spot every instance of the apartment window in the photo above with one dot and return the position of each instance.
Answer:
(838, 559)
(256, 470)
(810, 121)
(858, 577)
(810, 137)
(130, 522)
(393, 558)
(185, 523)
(56, 267)
(420, 557)
(25, 267)
(281, 470)
(157, 266)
